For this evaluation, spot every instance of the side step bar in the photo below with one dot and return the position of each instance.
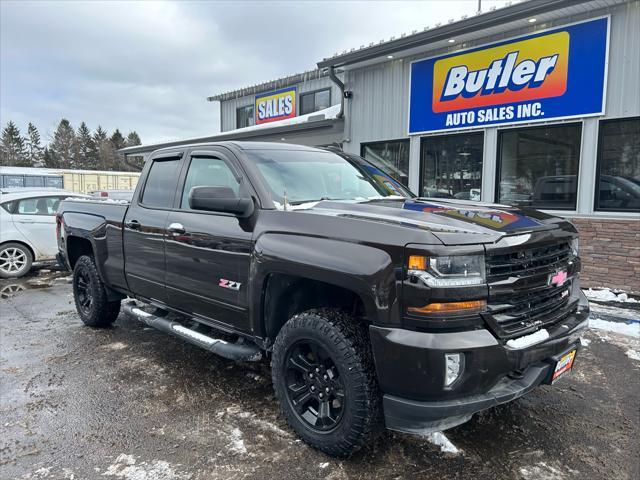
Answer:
(239, 352)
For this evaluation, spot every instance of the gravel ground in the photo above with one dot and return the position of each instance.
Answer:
(132, 403)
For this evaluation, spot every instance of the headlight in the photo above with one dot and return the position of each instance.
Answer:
(450, 271)
(575, 246)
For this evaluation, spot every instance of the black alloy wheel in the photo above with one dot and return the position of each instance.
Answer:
(93, 302)
(314, 387)
(84, 291)
(325, 382)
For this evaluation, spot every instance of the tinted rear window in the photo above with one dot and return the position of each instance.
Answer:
(161, 184)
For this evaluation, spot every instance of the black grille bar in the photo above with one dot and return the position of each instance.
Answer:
(527, 261)
(531, 302)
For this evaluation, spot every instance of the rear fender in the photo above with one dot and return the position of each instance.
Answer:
(92, 228)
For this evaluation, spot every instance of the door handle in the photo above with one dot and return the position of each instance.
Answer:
(176, 228)
(132, 224)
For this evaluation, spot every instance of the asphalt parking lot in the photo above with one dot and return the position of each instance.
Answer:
(129, 402)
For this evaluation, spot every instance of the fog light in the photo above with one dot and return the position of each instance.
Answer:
(454, 364)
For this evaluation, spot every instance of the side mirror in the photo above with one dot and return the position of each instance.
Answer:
(220, 199)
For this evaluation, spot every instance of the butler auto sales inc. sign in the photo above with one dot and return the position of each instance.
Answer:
(558, 73)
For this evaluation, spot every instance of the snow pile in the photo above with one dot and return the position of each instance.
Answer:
(528, 340)
(631, 329)
(606, 295)
(439, 439)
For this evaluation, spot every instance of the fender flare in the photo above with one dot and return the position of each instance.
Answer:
(367, 271)
(91, 228)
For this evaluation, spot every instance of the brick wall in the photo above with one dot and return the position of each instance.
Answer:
(610, 252)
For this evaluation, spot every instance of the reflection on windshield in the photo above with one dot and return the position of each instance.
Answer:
(299, 177)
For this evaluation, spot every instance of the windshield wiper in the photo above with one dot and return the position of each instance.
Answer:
(300, 202)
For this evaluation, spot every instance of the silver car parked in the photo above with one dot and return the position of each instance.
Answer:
(28, 228)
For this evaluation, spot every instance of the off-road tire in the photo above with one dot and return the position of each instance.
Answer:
(19, 253)
(99, 312)
(346, 340)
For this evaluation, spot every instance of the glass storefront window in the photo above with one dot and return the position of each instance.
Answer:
(390, 157)
(538, 166)
(451, 166)
(618, 177)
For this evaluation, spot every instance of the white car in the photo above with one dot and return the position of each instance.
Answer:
(28, 228)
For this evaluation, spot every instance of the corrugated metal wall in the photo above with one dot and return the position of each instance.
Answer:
(623, 90)
(228, 107)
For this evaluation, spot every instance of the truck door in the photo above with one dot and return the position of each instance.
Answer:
(145, 225)
(208, 253)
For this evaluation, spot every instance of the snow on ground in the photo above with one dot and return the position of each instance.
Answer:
(633, 354)
(630, 329)
(127, 467)
(439, 439)
(606, 295)
(611, 312)
(237, 443)
(546, 471)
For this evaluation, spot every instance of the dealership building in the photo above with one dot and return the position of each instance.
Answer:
(534, 104)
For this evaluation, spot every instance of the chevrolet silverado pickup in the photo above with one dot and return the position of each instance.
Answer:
(374, 307)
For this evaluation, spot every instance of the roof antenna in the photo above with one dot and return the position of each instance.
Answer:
(284, 198)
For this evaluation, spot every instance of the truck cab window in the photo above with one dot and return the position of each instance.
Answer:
(162, 179)
(209, 172)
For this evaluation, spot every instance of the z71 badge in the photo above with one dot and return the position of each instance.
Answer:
(224, 283)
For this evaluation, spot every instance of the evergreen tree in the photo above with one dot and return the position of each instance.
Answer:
(50, 159)
(12, 149)
(103, 148)
(64, 144)
(135, 163)
(133, 139)
(35, 152)
(87, 152)
(117, 142)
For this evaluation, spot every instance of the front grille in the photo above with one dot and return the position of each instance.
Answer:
(531, 310)
(521, 300)
(528, 261)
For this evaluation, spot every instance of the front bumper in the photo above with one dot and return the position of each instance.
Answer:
(421, 418)
(410, 367)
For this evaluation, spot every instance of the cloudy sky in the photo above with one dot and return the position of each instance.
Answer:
(149, 66)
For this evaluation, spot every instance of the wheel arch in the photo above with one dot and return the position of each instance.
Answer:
(29, 247)
(293, 273)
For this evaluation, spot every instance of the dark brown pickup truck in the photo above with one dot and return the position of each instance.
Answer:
(372, 305)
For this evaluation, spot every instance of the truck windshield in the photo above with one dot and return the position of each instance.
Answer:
(310, 176)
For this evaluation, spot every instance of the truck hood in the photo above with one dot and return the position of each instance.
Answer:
(453, 222)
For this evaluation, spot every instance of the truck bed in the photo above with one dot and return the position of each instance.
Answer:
(100, 223)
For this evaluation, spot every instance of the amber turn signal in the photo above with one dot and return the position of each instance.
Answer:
(450, 307)
(417, 262)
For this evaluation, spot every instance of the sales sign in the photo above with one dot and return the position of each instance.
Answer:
(559, 73)
(277, 105)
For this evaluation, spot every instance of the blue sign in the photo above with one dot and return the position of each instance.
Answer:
(559, 73)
